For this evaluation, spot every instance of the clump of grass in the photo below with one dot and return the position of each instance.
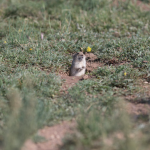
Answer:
(23, 9)
(121, 76)
(21, 120)
(27, 105)
(98, 130)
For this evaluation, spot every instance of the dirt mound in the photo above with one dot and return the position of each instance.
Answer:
(92, 62)
(69, 81)
(91, 57)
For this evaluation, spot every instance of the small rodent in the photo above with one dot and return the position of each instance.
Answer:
(78, 66)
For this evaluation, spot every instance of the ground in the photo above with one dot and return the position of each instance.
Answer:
(42, 107)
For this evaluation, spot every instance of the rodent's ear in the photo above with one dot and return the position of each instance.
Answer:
(84, 54)
(74, 55)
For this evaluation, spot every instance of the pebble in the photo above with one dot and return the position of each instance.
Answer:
(85, 77)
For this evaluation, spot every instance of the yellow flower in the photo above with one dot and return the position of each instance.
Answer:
(89, 49)
(30, 49)
(125, 73)
(19, 30)
(5, 42)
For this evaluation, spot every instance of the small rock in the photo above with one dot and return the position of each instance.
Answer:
(42, 36)
(63, 40)
(144, 61)
(141, 126)
(116, 34)
(85, 77)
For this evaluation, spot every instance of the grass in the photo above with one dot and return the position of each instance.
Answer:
(30, 94)
(98, 131)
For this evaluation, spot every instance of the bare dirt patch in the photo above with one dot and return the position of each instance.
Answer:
(143, 6)
(53, 136)
(138, 109)
(69, 81)
(139, 105)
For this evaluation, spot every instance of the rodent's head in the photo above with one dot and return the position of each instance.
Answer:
(79, 57)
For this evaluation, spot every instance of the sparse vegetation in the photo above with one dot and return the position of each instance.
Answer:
(117, 32)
